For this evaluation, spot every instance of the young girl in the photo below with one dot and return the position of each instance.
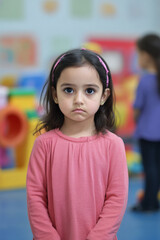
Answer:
(147, 116)
(77, 181)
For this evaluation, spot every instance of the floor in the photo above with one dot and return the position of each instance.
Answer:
(14, 223)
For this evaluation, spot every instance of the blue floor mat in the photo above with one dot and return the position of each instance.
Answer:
(14, 223)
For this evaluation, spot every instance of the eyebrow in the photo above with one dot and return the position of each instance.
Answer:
(74, 85)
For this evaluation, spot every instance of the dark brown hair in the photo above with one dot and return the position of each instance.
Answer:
(150, 43)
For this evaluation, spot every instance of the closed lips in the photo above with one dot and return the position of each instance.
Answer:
(78, 110)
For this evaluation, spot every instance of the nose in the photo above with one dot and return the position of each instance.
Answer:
(78, 99)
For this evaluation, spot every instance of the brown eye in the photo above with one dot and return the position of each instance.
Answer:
(68, 90)
(90, 91)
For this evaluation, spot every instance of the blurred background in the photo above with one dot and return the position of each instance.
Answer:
(32, 35)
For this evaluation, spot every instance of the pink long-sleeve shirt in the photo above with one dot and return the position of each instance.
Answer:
(77, 188)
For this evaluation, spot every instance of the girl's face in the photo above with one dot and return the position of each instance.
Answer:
(79, 93)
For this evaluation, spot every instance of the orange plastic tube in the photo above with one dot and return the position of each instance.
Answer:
(13, 126)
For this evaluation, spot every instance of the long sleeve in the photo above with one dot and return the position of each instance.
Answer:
(116, 196)
(40, 222)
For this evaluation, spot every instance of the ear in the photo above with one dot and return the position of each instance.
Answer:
(54, 95)
(105, 96)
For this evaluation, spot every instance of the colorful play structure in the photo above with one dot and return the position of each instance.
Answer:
(18, 118)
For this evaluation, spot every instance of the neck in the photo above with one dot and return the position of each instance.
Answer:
(152, 69)
(78, 129)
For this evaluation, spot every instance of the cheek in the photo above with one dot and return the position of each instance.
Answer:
(63, 104)
(61, 99)
(140, 62)
(94, 106)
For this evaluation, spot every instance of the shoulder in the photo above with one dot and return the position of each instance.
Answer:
(146, 79)
(113, 139)
(110, 136)
(45, 137)
(142, 84)
(115, 149)
(142, 80)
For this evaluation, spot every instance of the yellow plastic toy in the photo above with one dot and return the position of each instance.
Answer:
(16, 177)
(22, 98)
(20, 138)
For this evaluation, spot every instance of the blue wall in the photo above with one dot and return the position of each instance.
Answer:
(71, 22)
